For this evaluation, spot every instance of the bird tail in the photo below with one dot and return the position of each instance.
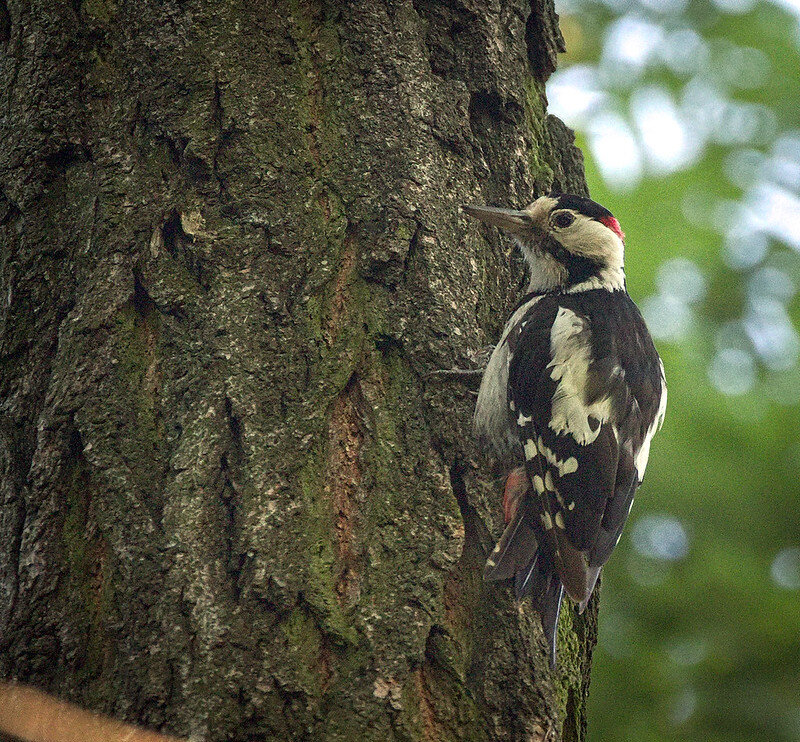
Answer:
(541, 582)
(517, 555)
(517, 547)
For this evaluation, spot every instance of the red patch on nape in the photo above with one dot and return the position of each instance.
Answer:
(613, 225)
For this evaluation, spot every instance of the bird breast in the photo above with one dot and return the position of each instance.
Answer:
(493, 424)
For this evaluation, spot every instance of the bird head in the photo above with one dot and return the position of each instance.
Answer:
(569, 242)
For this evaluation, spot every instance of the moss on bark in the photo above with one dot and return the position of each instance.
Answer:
(235, 502)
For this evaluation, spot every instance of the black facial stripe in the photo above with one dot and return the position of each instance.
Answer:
(579, 268)
(582, 205)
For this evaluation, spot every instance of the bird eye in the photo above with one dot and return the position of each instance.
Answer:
(563, 219)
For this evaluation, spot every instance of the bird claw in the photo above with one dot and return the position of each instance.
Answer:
(466, 374)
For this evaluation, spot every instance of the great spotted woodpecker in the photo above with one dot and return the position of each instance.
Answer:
(576, 390)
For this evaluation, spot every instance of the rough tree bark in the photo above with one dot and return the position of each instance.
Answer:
(235, 504)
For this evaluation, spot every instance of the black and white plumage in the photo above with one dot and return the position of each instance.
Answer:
(575, 389)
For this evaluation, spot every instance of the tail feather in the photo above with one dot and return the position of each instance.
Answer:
(549, 608)
(528, 581)
(516, 548)
(542, 583)
(518, 556)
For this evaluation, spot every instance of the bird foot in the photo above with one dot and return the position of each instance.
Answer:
(458, 373)
(467, 375)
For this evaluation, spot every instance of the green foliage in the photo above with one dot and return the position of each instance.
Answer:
(700, 638)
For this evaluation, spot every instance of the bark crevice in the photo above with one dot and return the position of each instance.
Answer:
(229, 265)
(5, 23)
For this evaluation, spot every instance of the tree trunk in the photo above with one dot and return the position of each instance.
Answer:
(236, 504)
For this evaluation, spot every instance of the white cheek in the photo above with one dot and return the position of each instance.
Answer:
(594, 240)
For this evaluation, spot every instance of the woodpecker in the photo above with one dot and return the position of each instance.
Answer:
(575, 390)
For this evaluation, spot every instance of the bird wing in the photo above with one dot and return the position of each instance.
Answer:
(581, 426)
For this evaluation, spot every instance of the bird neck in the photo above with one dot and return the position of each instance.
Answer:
(549, 275)
(610, 278)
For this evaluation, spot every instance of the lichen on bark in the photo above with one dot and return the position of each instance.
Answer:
(236, 504)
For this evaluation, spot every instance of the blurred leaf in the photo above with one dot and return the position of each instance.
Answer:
(686, 110)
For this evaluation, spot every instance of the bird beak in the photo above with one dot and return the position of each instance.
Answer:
(509, 220)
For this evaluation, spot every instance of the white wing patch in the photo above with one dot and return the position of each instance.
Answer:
(643, 454)
(571, 354)
(570, 466)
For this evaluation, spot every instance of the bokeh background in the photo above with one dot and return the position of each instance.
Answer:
(688, 112)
